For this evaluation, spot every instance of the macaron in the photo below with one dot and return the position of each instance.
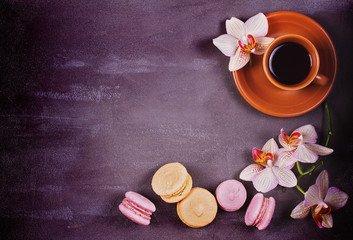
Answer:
(172, 182)
(198, 209)
(231, 195)
(137, 208)
(260, 211)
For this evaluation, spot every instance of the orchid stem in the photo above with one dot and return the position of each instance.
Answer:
(321, 162)
(300, 189)
(329, 124)
(299, 169)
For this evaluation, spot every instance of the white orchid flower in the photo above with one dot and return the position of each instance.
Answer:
(301, 145)
(269, 172)
(242, 39)
(321, 200)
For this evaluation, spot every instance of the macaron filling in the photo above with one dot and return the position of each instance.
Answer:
(262, 212)
(178, 193)
(136, 209)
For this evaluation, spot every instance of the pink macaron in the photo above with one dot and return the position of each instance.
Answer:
(231, 195)
(137, 208)
(260, 211)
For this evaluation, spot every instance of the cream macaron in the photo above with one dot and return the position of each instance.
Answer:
(198, 209)
(172, 182)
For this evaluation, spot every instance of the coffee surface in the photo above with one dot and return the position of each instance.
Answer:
(289, 63)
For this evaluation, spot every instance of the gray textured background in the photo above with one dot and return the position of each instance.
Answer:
(97, 95)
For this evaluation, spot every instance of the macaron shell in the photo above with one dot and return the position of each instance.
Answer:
(169, 178)
(140, 201)
(198, 209)
(254, 209)
(133, 216)
(182, 195)
(266, 219)
(231, 195)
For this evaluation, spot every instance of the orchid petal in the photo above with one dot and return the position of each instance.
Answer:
(327, 220)
(305, 155)
(226, 43)
(295, 139)
(265, 181)
(235, 27)
(238, 60)
(261, 44)
(269, 156)
(257, 154)
(321, 150)
(250, 171)
(322, 182)
(312, 196)
(257, 25)
(247, 43)
(319, 211)
(300, 211)
(260, 157)
(308, 132)
(270, 146)
(336, 198)
(282, 138)
(285, 177)
(285, 158)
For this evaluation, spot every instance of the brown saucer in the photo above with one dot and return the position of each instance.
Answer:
(265, 97)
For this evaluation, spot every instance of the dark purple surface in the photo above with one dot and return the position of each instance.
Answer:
(97, 95)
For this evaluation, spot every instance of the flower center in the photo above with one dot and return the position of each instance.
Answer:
(247, 43)
(261, 157)
(318, 211)
(294, 140)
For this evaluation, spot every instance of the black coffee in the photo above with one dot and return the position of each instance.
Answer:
(289, 63)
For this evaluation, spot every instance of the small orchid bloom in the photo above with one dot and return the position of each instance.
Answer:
(242, 39)
(321, 200)
(301, 145)
(268, 172)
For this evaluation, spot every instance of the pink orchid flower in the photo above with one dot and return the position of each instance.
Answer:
(269, 172)
(321, 200)
(242, 39)
(301, 145)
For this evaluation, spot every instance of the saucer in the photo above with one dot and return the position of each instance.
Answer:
(265, 97)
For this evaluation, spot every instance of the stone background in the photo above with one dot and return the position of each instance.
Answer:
(95, 96)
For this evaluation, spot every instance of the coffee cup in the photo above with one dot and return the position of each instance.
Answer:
(292, 62)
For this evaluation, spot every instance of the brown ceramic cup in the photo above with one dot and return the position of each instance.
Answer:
(312, 77)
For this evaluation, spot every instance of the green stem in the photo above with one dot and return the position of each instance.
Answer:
(300, 176)
(299, 169)
(329, 124)
(300, 189)
(321, 162)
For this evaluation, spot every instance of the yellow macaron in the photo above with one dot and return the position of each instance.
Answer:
(198, 209)
(172, 182)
